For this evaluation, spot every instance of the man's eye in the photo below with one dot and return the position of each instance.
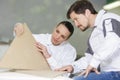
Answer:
(63, 37)
(57, 31)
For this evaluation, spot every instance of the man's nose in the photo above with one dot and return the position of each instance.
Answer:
(58, 36)
(76, 24)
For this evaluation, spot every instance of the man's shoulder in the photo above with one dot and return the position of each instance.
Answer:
(70, 46)
(42, 35)
(109, 15)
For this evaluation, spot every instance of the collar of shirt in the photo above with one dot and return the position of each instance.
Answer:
(99, 17)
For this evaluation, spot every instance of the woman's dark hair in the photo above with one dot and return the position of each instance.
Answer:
(69, 26)
(80, 6)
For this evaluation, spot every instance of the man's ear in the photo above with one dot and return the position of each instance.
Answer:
(87, 12)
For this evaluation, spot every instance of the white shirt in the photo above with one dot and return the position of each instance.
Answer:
(61, 55)
(105, 44)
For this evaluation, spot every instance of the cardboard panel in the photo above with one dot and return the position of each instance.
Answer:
(22, 54)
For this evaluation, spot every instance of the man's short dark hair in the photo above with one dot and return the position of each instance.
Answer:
(80, 6)
(69, 26)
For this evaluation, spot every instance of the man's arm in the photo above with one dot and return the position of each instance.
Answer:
(78, 66)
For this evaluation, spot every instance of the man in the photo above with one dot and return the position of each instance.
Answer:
(55, 47)
(103, 44)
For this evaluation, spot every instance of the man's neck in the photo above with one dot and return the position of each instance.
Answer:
(92, 20)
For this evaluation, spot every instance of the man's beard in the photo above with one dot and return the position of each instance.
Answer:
(85, 29)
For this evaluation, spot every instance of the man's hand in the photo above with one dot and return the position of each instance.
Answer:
(68, 68)
(18, 29)
(88, 70)
(41, 48)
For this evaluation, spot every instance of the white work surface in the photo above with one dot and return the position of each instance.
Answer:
(21, 76)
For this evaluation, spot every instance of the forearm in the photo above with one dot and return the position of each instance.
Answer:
(106, 50)
(82, 63)
(47, 55)
(53, 63)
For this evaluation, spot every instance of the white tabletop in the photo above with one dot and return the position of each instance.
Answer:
(21, 76)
